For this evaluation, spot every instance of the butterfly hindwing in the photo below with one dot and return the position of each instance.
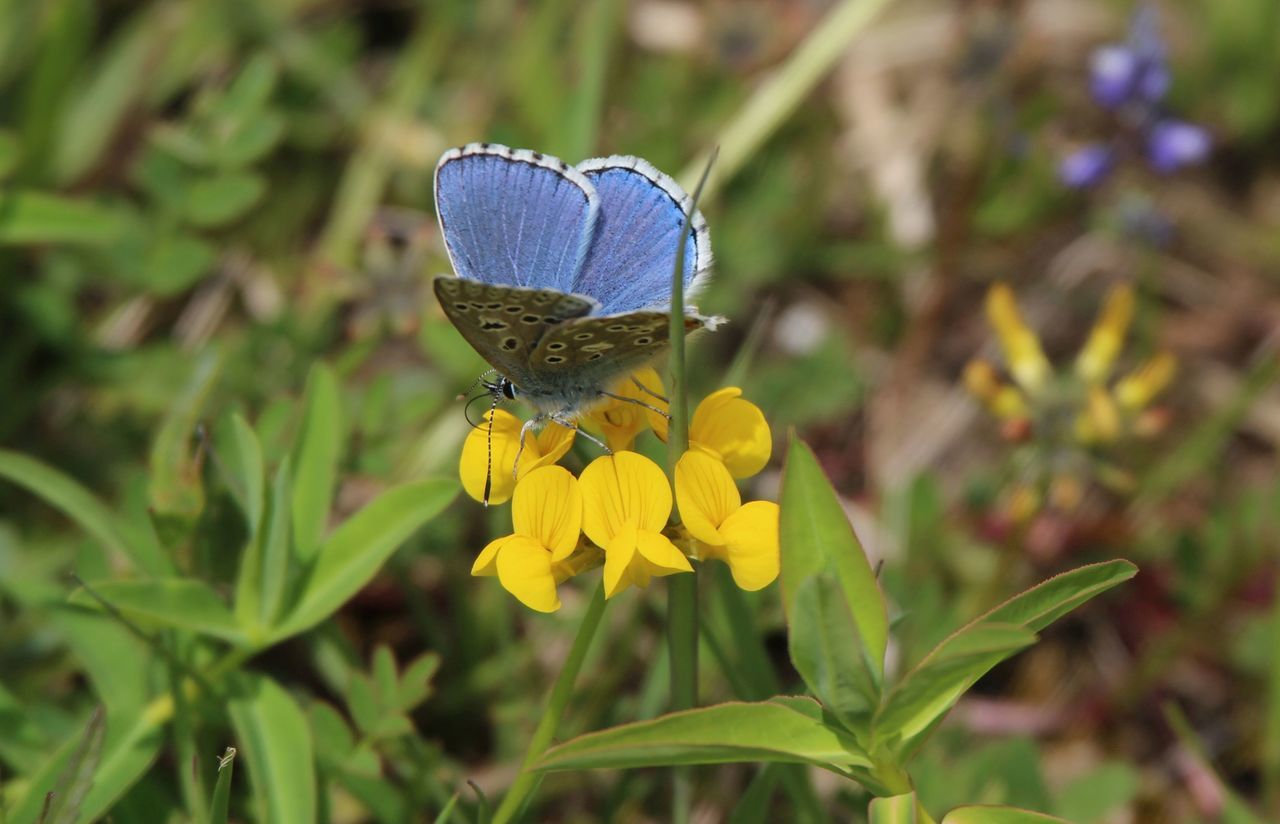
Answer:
(595, 350)
(514, 217)
(504, 324)
(632, 254)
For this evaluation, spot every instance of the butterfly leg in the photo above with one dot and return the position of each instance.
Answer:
(524, 430)
(569, 423)
(638, 402)
(649, 391)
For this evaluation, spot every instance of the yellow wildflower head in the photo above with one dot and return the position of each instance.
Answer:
(729, 428)
(541, 449)
(1099, 352)
(1004, 401)
(1027, 361)
(622, 420)
(626, 503)
(546, 518)
(1139, 388)
(744, 537)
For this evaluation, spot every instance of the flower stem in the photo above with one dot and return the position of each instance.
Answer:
(682, 590)
(527, 781)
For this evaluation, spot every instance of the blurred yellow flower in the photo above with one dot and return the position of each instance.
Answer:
(1021, 347)
(621, 421)
(744, 537)
(728, 428)
(1099, 422)
(546, 517)
(541, 449)
(1099, 352)
(626, 504)
(1140, 387)
(1004, 401)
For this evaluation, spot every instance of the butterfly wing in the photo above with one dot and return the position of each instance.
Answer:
(632, 254)
(592, 352)
(514, 217)
(504, 324)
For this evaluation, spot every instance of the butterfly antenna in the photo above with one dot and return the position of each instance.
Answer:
(488, 469)
(484, 376)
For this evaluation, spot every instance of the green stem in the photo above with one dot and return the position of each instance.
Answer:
(779, 96)
(527, 781)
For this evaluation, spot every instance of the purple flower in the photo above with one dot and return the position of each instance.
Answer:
(1085, 166)
(1173, 144)
(1132, 72)
(1112, 71)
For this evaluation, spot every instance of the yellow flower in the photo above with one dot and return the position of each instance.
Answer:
(1027, 361)
(546, 516)
(1140, 387)
(728, 428)
(744, 537)
(621, 421)
(1099, 352)
(626, 503)
(541, 449)
(1100, 419)
(1004, 401)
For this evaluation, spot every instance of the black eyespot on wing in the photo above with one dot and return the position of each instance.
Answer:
(554, 359)
(616, 327)
(513, 309)
(494, 305)
(643, 341)
(583, 336)
(462, 307)
(530, 319)
(595, 356)
(510, 344)
(551, 320)
(491, 325)
(555, 346)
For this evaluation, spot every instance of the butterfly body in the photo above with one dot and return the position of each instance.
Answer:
(563, 273)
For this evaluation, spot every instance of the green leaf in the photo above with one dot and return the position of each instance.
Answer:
(219, 200)
(77, 776)
(182, 603)
(243, 468)
(276, 743)
(823, 644)
(986, 814)
(28, 217)
(362, 701)
(415, 682)
(897, 809)
(222, 790)
(315, 461)
(937, 682)
(175, 486)
(264, 567)
(816, 537)
(1046, 602)
(385, 676)
(725, 733)
(356, 550)
(77, 503)
(251, 141)
(174, 262)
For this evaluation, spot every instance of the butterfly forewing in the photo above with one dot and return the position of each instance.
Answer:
(504, 324)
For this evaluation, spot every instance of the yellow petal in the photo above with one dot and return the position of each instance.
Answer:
(548, 509)
(751, 536)
(706, 495)
(1027, 362)
(552, 443)
(620, 421)
(524, 570)
(490, 455)
(1002, 400)
(660, 555)
(620, 489)
(1100, 420)
(1138, 389)
(618, 555)
(733, 428)
(484, 563)
(1099, 352)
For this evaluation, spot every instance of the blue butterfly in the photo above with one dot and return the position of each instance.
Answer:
(564, 272)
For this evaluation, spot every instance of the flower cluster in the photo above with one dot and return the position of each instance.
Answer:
(1131, 80)
(617, 512)
(1067, 413)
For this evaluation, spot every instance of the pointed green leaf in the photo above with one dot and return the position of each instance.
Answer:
(264, 567)
(175, 486)
(823, 644)
(222, 790)
(385, 676)
(80, 505)
(816, 537)
(181, 603)
(937, 682)
(223, 198)
(897, 809)
(986, 814)
(315, 461)
(276, 743)
(40, 218)
(721, 734)
(1046, 602)
(356, 550)
(243, 469)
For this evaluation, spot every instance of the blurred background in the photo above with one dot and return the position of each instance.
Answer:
(201, 198)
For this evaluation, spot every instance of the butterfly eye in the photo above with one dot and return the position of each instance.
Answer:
(508, 389)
